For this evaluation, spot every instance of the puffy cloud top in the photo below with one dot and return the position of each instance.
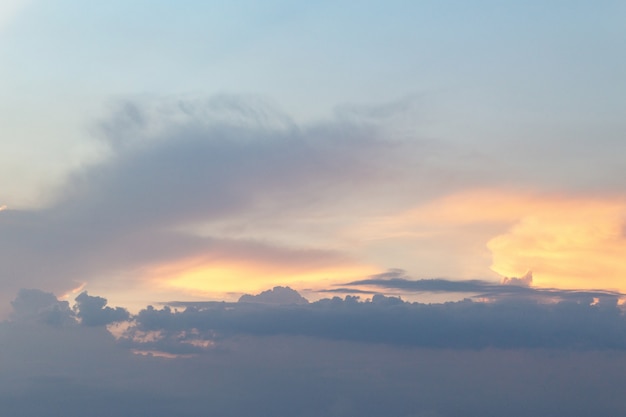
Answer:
(92, 311)
(277, 295)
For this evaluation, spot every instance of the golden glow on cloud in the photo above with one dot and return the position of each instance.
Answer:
(568, 242)
(71, 294)
(197, 276)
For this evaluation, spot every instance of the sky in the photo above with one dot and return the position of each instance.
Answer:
(438, 184)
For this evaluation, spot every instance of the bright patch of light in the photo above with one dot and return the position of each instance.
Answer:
(8, 10)
(198, 277)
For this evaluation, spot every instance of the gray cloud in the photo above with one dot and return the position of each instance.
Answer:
(511, 323)
(525, 281)
(334, 357)
(73, 371)
(92, 311)
(192, 160)
(275, 296)
(346, 290)
(176, 162)
(31, 305)
(510, 287)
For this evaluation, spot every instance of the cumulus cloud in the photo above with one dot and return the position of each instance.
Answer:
(277, 296)
(33, 305)
(525, 281)
(92, 311)
(511, 323)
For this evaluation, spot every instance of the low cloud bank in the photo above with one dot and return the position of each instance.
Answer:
(336, 357)
(389, 320)
(581, 322)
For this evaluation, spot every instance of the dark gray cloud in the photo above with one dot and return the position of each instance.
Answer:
(93, 311)
(345, 290)
(509, 323)
(396, 279)
(72, 372)
(525, 281)
(31, 305)
(36, 306)
(265, 366)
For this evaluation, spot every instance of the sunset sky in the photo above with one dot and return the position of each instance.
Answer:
(156, 152)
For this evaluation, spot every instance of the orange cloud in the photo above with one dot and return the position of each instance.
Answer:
(570, 243)
(214, 278)
(567, 241)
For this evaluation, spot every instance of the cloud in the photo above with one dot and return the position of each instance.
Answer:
(335, 357)
(567, 242)
(36, 306)
(510, 287)
(299, 376)
(33, 305)
(232, 195)
(345, 290)
(176, 165)
(568, 239)
(188, 160)
(525, 281)
(580, 322)
(275, 296)
(92, 311)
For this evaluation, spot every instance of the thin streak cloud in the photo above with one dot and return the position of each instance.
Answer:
(510, 287)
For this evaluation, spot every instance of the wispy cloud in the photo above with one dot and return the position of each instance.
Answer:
(224, 190)
(174, 164)
(510, 287)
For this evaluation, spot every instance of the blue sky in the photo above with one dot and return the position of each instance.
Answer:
(483, 71)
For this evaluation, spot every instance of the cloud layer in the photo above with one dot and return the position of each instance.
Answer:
(175, 164)
(333, 357)
(510, 324)
(228, 194)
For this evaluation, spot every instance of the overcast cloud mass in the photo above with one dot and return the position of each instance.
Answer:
(244, 208)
